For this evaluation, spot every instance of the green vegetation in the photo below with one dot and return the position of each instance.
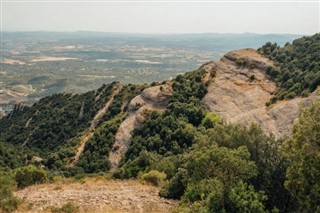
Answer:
(8, 202)
(189, 152)
(51, 130)
(52, 120)
(94, 158)
(66, 208)
(303, 152)
(30, 175)
(154, 177)
(97, 58)
(225, 159)
(171, 132)
(210, 167)
(12, 156)
(298, 66)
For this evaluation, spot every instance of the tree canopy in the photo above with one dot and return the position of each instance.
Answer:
(297, 71)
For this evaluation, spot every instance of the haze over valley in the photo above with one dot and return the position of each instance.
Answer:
(38, 64)
(159, 106)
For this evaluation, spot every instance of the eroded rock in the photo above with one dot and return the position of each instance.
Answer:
(241, 89)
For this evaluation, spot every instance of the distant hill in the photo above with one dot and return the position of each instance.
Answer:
(202, 41)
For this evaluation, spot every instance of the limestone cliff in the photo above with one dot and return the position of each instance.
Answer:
(241, 88)
(152, 98)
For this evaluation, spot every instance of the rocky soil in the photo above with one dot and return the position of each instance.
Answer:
(96, 196)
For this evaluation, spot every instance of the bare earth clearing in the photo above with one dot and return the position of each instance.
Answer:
(41, 59)
(97, 196)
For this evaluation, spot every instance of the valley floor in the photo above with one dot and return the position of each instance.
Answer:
(95, 195)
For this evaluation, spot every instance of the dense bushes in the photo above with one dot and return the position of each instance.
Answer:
(171, 132)
(188, 86)
(211, 167)
(11, 156)
(265, 151)
(216, 179)
(29, 175)
(66, 208)
(303, 152)
(53, 127)
(154, 177)
(53, 121)
(298, 70)
(227, 168)
(8, 202)
(94, 158)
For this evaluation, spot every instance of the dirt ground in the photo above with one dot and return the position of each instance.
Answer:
(94, 195)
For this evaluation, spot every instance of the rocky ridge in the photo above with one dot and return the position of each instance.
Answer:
(241, 88)
(152, 98)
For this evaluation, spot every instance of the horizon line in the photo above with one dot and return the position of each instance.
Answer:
(157, 33)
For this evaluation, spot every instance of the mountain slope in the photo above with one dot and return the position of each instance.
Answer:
(298, 66)
(241, 89)
(193, 134)
(61, 125)
(152, 98)
(67, 130)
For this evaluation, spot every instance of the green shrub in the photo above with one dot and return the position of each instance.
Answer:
(154, 177)
(252, 78)
(199, 191)
(176, 186)
(8, 202)
(297, 66)
(66, 208)
(241, 62)
(29, 175)
(168, 165)
(243, 198)
(210, 120)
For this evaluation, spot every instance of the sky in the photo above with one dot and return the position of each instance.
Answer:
(161, 16)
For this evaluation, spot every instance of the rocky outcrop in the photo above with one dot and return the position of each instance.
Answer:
(241, 88)
(94, 123)
(18, 108)
(152, 98)
(104, 109)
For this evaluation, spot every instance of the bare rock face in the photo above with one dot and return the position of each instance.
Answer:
(241, 88)
(19, 108)
(152, 98)
(156, 97)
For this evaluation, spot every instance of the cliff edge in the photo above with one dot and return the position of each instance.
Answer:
(241, 88)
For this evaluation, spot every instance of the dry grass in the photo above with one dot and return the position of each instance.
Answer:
(94, 194)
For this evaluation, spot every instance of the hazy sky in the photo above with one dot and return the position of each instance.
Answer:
(162, 17)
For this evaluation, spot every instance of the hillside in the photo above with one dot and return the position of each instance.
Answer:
(38, 64)
(206, 137)
(241, 89)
